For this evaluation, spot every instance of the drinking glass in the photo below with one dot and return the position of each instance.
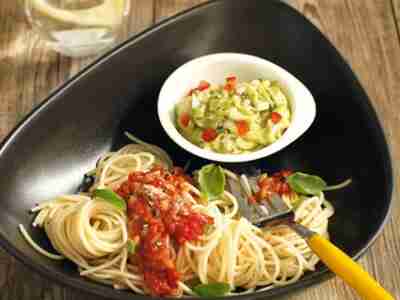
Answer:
(77, 27)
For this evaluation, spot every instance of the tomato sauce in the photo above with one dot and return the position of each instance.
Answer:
(160, 221)
(272, 184)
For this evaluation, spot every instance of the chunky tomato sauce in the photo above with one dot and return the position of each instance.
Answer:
(160, 221)
(271, 185)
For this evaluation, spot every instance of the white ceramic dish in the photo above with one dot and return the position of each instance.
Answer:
(215, 68)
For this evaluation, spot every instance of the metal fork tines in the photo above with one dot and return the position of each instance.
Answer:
(280, 211)
(236, 190)
(269, 210)
(272, 210)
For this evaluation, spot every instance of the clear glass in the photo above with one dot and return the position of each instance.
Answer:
(77, 27)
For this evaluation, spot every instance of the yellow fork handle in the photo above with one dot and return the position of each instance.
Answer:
(351, 272)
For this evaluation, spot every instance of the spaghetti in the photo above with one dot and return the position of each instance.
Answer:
(188, 237)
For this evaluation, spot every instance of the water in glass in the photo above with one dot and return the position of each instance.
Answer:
(77, 27)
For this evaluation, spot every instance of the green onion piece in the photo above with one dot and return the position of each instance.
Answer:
(111, 197)
(211, 290)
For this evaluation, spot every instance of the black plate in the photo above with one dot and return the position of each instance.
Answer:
(51, 149)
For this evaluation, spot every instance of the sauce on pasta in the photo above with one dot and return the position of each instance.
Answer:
(159, 224)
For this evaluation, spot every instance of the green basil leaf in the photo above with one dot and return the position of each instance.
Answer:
(212, 181)
(131, 247)
(211, 290)
(306, 184)
(111, 197)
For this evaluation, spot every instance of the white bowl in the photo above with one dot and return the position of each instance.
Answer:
(215, 68)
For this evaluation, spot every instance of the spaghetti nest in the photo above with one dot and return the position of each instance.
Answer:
(97, 236)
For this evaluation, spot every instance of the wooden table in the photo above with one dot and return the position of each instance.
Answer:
(366, 32)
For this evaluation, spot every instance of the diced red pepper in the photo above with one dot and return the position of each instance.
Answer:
(203, 85)
(275, 117)
(242, 127)
(230, 83)
(274, 184)
(209, 134)
(229, 87)
(184, 119)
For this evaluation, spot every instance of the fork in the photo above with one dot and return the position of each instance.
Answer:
(275, 211)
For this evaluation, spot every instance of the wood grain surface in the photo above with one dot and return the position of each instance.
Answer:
(366, 32)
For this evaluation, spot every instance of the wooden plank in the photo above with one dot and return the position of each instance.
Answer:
(28, 69)
(167, 8)
(396, 13)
